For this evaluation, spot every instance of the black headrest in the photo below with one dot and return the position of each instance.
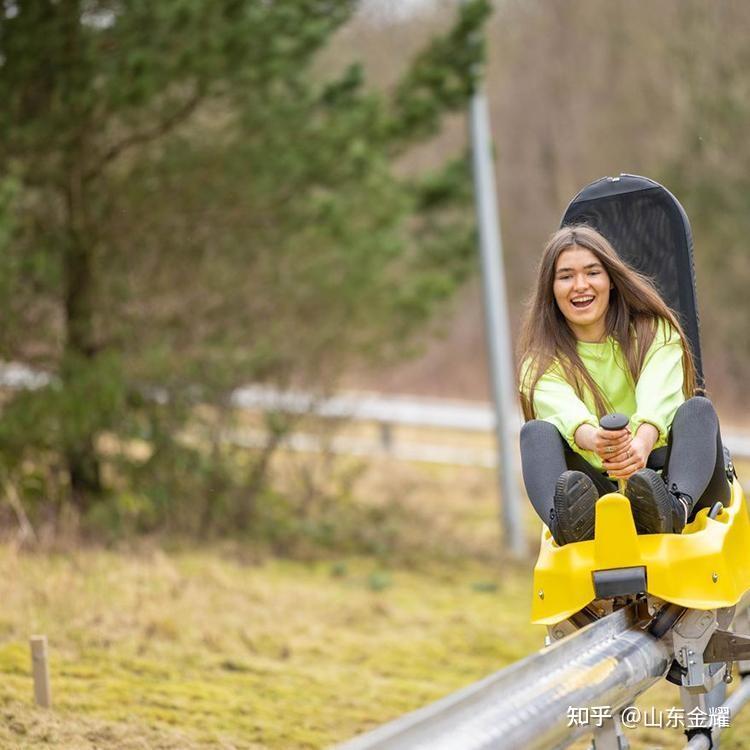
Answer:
(650, 230)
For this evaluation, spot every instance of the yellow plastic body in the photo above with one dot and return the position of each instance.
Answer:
(706, 566)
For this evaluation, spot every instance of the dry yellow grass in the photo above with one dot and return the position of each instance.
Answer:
(281, 655)
(203, 649)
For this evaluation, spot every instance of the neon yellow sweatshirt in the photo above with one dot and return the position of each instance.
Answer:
(653, 399)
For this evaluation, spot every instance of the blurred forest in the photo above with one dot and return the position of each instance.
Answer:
(196, 196)
(580, 89)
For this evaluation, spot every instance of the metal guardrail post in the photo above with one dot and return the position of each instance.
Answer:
(496, 317)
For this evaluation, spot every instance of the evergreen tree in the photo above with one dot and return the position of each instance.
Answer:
(186, 208)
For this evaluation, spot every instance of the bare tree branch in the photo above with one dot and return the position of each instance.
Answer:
(149, 134)
(25, 529)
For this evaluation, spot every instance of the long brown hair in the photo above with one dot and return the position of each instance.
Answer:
(635, 308)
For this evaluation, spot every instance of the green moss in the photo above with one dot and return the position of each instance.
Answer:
(15, 658)
(196, 650)
(218, 649)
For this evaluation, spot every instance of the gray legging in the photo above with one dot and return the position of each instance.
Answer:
(693, 459)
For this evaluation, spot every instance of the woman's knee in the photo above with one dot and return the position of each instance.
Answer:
(696, 408)
(536, 433)
(538, 428)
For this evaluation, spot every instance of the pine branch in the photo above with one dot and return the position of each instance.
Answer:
(147, 135)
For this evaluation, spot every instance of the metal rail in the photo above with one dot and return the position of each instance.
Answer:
(734, 703)
(406, 411)
(525, 707)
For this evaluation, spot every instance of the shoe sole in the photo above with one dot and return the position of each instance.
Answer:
(575, 500)
(651, 504)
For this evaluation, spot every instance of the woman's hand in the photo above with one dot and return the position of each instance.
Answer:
(607, 444)
(634, 457)
(628, 461)
(611, 444)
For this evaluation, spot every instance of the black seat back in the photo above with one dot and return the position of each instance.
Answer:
(649, 229)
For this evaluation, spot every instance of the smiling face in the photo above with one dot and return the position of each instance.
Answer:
(581, 288)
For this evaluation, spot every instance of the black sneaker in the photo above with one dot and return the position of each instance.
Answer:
(572, 519)
(656, 509)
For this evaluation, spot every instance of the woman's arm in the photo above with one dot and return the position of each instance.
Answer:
(658, 392)
(556, 401)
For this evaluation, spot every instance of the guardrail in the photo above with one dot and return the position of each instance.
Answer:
(405, 411)
(388, 412)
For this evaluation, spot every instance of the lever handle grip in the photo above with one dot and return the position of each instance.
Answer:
(614, 421)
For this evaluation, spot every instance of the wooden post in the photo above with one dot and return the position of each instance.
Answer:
(40, 670)
(386, 437)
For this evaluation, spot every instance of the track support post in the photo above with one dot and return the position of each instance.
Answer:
(610, 736)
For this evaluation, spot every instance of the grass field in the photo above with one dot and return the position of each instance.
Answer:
(165, 647)
(203, 650)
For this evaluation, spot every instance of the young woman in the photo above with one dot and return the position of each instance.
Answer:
(597, 338)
